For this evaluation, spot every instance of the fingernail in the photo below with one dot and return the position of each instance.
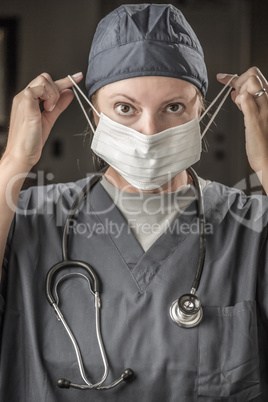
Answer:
(77, 75)
(221, 76)
(51, 108)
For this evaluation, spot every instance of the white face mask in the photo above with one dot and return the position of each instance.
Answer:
(148, 161)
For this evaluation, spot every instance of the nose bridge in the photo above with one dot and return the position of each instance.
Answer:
(149, 123)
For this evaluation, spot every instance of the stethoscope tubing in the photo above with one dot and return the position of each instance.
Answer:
(66, 263)
(80, 197)
(55, 269)
(77, 349)
(202, 226)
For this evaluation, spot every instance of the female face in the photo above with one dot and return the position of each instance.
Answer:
(149, 104)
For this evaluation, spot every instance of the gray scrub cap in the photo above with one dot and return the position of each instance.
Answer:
(142, 40)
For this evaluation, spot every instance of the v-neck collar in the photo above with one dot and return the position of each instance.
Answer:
(143, 266)
(111, 217)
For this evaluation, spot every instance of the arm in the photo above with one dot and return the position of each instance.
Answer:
(29, 130)
(255, 111)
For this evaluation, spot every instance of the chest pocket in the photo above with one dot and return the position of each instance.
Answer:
(228, 353)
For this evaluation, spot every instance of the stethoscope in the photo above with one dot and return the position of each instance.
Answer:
(94, 287)
(185, 311)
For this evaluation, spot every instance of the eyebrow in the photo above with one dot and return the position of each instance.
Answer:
(173, 99)
(176, 98)
(125, 96)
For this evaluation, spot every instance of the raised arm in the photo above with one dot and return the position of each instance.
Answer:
(251, 96)
(29, 130)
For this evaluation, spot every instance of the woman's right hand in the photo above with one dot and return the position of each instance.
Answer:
(29, 127)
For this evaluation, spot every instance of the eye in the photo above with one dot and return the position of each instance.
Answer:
(174, 108)
(124, 109)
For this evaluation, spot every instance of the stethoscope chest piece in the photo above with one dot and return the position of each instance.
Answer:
(186, 311)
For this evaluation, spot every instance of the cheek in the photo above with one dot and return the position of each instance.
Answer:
(187, 116)
(195, 112)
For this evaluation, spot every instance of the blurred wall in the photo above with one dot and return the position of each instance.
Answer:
(55, 36)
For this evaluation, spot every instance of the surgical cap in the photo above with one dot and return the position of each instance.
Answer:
(145, 40)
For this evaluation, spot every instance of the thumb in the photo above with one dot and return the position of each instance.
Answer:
(224, 78)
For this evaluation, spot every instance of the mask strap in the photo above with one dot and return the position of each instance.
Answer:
(219, 106)
(80, 103)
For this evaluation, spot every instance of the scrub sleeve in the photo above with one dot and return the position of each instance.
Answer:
(3, 281)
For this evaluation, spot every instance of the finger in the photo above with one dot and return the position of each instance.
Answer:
(253, 85)
(43, 88)
(66, 83)
(249, 83)
(250, 86)
(261, 76)
(245, 98)
(247, 104)
(66, 97)
(45, 80)
(32, 97)
(238, 81)
(60, 86)
(40, 79)
(262, 98)
(51, 89)
(224, 78)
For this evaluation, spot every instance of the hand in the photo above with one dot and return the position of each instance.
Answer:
(255, 110)
(29, 127)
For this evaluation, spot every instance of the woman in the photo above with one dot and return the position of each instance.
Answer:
(138, 229)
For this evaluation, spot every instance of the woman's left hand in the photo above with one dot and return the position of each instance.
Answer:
(255, 110)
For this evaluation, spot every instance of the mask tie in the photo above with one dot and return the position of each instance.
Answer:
(81, 105)
(219, 106)
(201, 117)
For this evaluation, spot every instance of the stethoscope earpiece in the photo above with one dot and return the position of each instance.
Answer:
(186, 311)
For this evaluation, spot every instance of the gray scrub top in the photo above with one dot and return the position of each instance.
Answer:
(225, 358)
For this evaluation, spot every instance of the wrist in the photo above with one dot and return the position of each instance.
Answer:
(262, 174)
(17, 165)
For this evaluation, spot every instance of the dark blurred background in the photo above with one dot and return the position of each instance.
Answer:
(55, 36)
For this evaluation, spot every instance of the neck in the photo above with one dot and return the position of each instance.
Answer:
(179, 181)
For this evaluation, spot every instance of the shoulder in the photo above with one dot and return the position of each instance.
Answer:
(220, 193)
(39, 199)
(43, 207)
(223, 202)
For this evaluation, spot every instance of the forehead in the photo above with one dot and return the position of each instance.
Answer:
(150, 87)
